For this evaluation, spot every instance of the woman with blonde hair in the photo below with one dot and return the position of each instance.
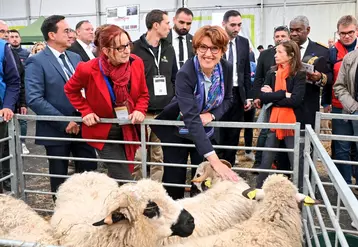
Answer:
(38, 46)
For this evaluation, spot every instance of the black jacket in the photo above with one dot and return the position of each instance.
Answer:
(77, 48)
(21, 69)
(168, 68)
(264, 63)
(296, 86)
(185, 102)
(189, 42)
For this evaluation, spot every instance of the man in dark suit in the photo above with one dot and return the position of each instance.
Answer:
(265, 62)
(180, 38)
(45, 76)
(238, 55)
(82, 45)
(299, 31)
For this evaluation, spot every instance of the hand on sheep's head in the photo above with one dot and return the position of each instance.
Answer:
(206, 173)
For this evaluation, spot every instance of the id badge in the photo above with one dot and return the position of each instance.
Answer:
(160, 85)
(121, 112)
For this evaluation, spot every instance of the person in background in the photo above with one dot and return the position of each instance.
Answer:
(15, 43)
(330, 42)
(252, 55)
(115, 87)
(38, 46)
(72, 36)
(46, 73)
(260, 48)
(284, 87)
(160, 70)
(84, 38)
(179, 36)
(203, 93)
(269, 46)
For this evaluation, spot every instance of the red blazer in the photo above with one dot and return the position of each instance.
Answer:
(98, 99)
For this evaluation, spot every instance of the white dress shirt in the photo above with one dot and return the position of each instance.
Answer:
(57, 55)
(87, 48)
(234, 48)
(175, 44)
(303, 48)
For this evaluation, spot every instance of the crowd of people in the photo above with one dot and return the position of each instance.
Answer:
(169, 74)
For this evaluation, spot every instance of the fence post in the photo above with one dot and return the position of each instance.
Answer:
(143, 149)
(306, 152)
(317, 128)
(19, 160)
(296, 154)
(12, 161)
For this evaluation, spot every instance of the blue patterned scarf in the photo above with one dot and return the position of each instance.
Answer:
(216, 91)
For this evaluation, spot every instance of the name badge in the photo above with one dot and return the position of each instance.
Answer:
(121, 112)
(160, 85)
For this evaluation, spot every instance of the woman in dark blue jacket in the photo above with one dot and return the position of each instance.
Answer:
(203, 93)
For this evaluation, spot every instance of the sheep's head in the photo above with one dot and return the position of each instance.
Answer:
(277, 186)
(147, 206)
(204, 177)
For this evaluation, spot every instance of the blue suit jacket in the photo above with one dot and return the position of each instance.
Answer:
(185, 102)
(44, 82)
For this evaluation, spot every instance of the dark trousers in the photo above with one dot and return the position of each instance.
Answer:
(115, 151)
(269, 156)
(249, 117)
(60, 167)
(231, 136)
(177, 175)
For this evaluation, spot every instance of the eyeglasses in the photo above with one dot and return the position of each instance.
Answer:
(3, 31)
(344, 34)
(213, 49)
(123, 47)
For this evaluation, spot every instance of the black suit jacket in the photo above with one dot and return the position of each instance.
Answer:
(243, 68)
(264, 63)
(295, 85)
(184, 101)
(189, 43)
(77, 48)
(312, 95)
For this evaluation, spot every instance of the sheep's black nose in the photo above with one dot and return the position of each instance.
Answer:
(184, 226)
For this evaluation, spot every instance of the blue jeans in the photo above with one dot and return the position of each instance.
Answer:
(342, 149)
(23, 129)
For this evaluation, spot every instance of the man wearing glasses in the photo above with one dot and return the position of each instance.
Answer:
(179, 36)
(346, 29)
(45, 76)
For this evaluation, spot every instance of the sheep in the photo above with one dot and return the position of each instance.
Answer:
(276, 222)
(218, 208)
(91, 210)
(20, 222)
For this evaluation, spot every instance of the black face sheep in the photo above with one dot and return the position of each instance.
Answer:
(92, 211)
(217, 208)
(276, 221)
(19, 222)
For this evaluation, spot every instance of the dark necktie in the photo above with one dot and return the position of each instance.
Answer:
(68, 70)
(181, 51)
(231, 54)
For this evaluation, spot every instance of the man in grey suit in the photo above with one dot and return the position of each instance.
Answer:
(180, 38)
(45, 76)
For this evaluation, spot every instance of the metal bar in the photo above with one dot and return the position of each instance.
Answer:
(319, 216)
(331, 116)
(338, 218)
(6, 177)
(314, 232)
(20, 161)
(12, 161)
(261, 170)
(5, 242)
(327, 137)
(143, 150)
(307, 233)
(5, 139)
(44, 210)
(6, 158)
(307, 151)
(331, 184)
(296, 155)
(342, 188)
(345, 231)
(39, 192)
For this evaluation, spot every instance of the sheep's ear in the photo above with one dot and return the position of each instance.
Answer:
(227, 163)
(254, 194)
(205, 175)
(307, 201)
(112, 218)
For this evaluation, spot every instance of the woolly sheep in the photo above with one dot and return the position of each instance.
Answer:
(276, 222)
(19, 222)
(91, 210)
(218, 208)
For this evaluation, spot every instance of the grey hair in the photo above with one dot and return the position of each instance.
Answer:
(301, 19)
(3, 22)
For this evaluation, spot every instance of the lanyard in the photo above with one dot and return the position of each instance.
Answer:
(110, 89)
(157, 60)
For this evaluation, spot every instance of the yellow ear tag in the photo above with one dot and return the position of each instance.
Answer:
(308, 201)
(208, 183)
(252, 194)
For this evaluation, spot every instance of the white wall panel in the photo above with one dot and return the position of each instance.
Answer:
(62, 7)
(144, 5)
(13, 8)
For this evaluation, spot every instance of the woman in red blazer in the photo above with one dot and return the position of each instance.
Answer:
(114, 86)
